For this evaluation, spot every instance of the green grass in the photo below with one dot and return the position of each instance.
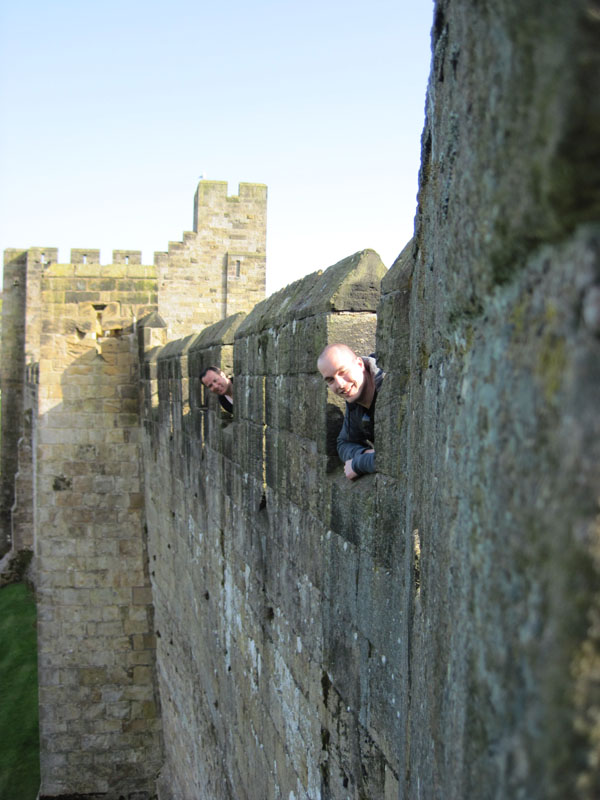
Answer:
(19, 742)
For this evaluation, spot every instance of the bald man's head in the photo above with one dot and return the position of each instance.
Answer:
(343, 371)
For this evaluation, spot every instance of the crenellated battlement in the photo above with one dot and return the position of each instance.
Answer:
(217, 269)
(82, 255)
(127, 257)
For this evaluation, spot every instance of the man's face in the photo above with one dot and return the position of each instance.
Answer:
(344, 373)
(216, 382)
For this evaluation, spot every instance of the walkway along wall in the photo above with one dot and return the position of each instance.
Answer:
(431, 631)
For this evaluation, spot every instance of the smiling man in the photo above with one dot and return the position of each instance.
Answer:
(218, 383)
(357, 380)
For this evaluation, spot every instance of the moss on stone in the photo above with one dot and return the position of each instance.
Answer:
(551, 363)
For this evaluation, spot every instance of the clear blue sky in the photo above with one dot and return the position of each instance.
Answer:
(111, 111)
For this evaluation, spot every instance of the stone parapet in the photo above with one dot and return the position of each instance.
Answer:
(266, 537)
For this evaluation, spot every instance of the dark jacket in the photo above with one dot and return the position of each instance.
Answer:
(358, 431)
(224, 402)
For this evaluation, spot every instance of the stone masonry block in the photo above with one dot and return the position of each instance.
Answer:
(249, 448)
(59, 270)
(352, 508)
(92, 676)
(249, 393)
(355, 330)
(280, 402)
(307, 406)
(308, 338)
(142, 595)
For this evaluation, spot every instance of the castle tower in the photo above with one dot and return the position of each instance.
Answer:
(21, 335)
(220, 267)
(217, 270)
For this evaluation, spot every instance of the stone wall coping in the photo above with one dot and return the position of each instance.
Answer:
(178, 347)
(153, 354)
(350, 285)
(220, 333)
(94, 269)
(398, 274)
(152, 320)
(278, 307)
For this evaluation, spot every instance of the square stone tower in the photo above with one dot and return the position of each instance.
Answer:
(220, 267)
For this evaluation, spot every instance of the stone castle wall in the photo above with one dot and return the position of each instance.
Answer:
(13, 370)
(273, 683)
(500, 442)
(428, 631)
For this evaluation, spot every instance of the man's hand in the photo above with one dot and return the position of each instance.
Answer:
(350, 474)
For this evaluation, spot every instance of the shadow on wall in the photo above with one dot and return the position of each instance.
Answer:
(95, 634)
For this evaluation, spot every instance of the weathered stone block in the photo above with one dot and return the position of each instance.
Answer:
(355, 330)
(353, 508)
